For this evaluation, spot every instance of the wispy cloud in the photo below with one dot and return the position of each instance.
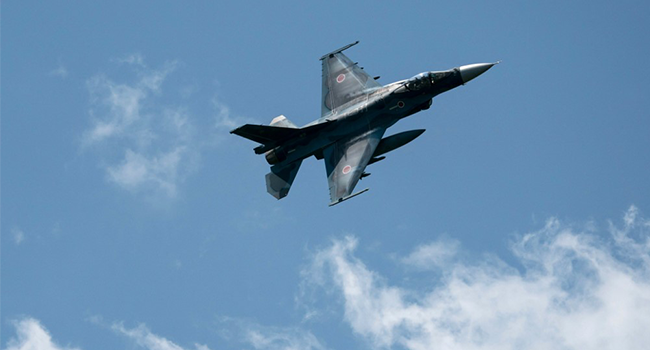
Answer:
(132, 59)
(18, 235)
(282, 339)
(138, 170)
(125, 109)
(60, 71)
(146, 145)
(268, 338)
(576, 290)
(144, 338)
(120, 104)
(434, 255)
(31, 335)
(224, 119)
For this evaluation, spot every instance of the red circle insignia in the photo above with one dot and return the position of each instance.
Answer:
(340, 78)
(346, 169)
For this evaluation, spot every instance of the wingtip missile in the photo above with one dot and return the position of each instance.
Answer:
(348, 197)
(339, 50)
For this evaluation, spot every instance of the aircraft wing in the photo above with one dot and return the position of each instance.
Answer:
(343, 80)
(346, 160)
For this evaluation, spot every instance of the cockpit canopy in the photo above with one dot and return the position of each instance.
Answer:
(420, 82)
(425, 80)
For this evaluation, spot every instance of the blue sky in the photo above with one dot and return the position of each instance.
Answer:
(132, 219)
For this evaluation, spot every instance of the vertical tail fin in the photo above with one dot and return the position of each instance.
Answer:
(283, 122)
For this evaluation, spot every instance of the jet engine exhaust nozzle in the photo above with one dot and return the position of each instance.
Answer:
(471, 71)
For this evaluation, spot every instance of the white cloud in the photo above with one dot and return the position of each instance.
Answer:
(626, 242)
(118, 107)
(31, 335)
(268, 338)
(145, 145)
(137, 170)
(59, 71)
(224, 120)
(144, 338)
(282, 339)
(575, 290)
(133, 59)
(123, 103)
(433, 255)
(19, 235)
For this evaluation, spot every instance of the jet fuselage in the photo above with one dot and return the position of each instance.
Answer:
(356, 111)
(382, 107)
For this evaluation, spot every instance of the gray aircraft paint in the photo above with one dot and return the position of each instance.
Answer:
(355, 112)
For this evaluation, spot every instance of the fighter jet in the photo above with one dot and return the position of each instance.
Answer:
(355, 112)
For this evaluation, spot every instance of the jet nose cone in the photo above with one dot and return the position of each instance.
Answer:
(472, 71)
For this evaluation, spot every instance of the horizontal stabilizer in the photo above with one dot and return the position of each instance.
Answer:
(271, 136)
(264, 134)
